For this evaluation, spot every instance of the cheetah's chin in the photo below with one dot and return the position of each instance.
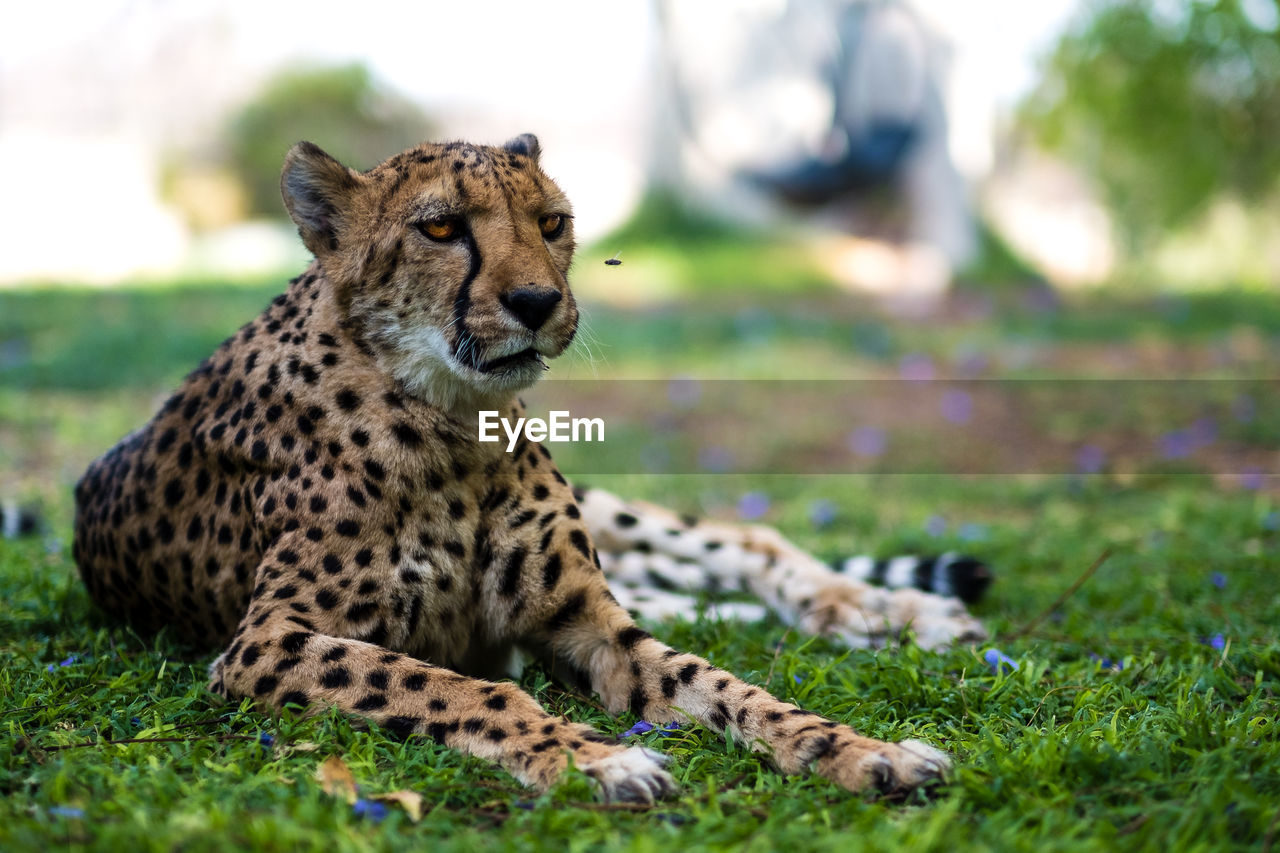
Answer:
(528, 356)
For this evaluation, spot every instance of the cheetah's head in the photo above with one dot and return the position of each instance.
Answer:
(449, 260)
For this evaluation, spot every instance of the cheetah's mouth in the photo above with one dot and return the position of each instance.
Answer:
(525, 356)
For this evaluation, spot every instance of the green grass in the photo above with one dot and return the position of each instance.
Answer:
(123, 748)
(1179, 748)
(146, 337)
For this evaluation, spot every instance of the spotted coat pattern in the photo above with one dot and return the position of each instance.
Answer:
(313, 500)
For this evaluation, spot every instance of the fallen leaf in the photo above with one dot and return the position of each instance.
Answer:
(410, 801)
(305, 746)
(336, 779)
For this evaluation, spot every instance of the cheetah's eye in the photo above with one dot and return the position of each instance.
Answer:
(552, 225)
(442, 229)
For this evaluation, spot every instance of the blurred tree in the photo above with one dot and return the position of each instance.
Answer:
(342, 109)
(1168, 104)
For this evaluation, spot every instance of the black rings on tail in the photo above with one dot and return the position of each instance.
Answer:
(951, 573)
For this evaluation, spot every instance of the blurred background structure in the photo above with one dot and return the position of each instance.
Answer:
(166, 123)
(906, 141)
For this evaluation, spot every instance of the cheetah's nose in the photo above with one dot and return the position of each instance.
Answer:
(531, 306)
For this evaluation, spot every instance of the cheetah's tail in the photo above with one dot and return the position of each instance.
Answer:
(967, 578)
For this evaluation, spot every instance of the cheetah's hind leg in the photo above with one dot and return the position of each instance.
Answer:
(657, 562)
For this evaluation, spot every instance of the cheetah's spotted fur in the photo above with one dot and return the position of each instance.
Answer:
(313, 500)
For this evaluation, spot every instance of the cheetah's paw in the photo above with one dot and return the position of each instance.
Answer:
(889, 767)
(863, 616)
(633, 775)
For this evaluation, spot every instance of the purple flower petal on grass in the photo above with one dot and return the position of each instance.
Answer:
(753, 505)
(998, 661)
(957, 406)
(935, 525)
(1204, 431)
(822, 512)
(1177, 444)
(868, 441)
(1219, 580)
(916, 366)
(1090, 459)
(66, 811)
(371, 809)
(1107, 663)
(642, 727)
(1217, 642)
(1252, 479)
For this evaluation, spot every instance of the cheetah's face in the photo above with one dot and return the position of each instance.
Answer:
(450, 260)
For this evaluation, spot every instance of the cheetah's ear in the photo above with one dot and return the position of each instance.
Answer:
(316, 190)
(526, 144)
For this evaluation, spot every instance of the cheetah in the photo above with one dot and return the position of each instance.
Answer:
(314, 502)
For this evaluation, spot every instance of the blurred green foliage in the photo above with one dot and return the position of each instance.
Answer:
(342, 109)
(664, 216)
(996, 265)
(1168, 105)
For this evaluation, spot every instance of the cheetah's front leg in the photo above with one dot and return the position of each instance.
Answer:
(590, 634)
(279, 658)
